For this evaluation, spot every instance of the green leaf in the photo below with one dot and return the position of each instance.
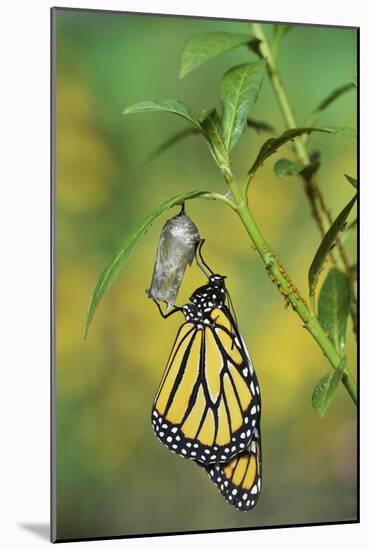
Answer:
(351, 180)
(285, 167)
(260, 126)
(333, 96)
(334, 307)
(212, 128)
(343, 131)
(239, 91)
(200, 48)
(326, 245)
(167, 105)
(177, 138)
(116, 263)
(273, 144)
(326, 388)
(254, 46)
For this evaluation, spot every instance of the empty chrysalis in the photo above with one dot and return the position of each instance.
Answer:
(176, 250)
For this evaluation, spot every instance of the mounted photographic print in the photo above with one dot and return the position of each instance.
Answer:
(204, 274)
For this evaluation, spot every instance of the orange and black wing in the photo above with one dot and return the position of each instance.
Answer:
(239, 480)
(208, 402)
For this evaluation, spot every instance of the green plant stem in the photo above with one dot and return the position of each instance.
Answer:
(221, 198)
(288, 290)
(318, 207)
(286, 109)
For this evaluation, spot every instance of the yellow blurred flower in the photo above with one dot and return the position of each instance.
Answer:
(84, 164)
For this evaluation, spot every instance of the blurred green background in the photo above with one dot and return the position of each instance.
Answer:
(113, 476)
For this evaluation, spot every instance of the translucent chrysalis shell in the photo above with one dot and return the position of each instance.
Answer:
(176, 250)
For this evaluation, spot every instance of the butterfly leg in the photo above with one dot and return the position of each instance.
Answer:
(165, 315)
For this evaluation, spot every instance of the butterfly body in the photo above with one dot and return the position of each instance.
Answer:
(208, 402)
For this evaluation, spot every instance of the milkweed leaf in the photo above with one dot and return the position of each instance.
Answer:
(239, 91)
(200, 48)
(337, 92)
(260, 126)
(212, 128)
(326, 245)
(273, 144)
(351, 180)
(173, 106)
(334, 307)
(167, 144)
(326, 388)
(285, 167)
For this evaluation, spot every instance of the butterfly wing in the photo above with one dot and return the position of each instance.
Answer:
(239, 480)
(208, 402)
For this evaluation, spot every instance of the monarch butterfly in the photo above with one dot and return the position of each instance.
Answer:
(208, 402)
(239, 480)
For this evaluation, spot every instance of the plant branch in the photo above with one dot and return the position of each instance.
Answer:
(314, 195)
(290, 293)
(218, 197)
